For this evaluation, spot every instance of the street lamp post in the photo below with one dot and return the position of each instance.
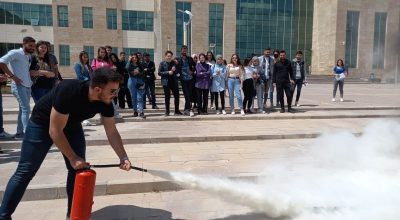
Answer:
(186, 26)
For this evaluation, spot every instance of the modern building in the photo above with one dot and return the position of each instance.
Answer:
(365, 33)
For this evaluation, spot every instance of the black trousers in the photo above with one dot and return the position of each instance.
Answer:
(284, 87)
(249, 92)
(202, 100)
(298, 84)
(150, 91)
(222, 96)
(124, 94)
(187, 87)
(172, 86)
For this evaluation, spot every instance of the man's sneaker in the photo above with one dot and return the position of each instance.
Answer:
(212, 107)
(291, 110)
(333, 100)
(19, 136)
(166, 114)
(5, 135)
(135, 114)
(263, 112)
(191, 113)
(242, 112)
(282, 111)
(87, 123)
(223, 112)
(218, 112)
(141, 115)
(155, 107)
(341, 100)
(297, 104)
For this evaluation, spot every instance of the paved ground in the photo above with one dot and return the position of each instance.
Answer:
(231, 146)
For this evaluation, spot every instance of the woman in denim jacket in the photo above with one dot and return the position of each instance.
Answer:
(218, 76)
(136, 85)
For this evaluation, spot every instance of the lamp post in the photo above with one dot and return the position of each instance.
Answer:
(186, 27)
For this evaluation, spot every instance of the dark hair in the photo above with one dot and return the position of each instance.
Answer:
(276, 51)
(116, 57)
(108, 47)
(337, 62)
(137, 58)
(168, 52)
(267, 48)
(202, 54)
(238, 59)
(102, 76)
(246, 61)
(122, 52)
(282, 51)
(26, 40)
(98, 54)
(137, 53)
(212, 56)
(46, 55)
(81, 54)
(184, 47)
(299, 52)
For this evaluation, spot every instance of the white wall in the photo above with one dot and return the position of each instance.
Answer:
(138, 5)
(138, 39)
(15, 33)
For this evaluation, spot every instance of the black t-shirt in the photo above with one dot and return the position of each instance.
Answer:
(70, 97)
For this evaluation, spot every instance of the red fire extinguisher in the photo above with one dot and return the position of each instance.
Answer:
(83, 194)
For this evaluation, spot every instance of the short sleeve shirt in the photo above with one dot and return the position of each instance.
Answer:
(70, 97)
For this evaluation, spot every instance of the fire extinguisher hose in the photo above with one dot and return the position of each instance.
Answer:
(116, 165)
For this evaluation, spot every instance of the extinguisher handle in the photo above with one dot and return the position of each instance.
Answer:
(116, 165)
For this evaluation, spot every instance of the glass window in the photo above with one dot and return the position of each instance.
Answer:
(180, 19)
(90, 51)
(64, 55)
(5, 47)
(129, 51)
(62, 15)
(351, 38)
(378, 54)
(112, 18)
(87, 17)
(216, 28)
(22, 14)
(137, 20)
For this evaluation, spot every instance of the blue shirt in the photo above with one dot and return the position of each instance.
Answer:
(339, 69)
(20, 63)
(185, 70)
(218, 81)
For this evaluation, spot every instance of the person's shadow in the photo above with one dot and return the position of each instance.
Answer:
(251, 216)
(127, 212)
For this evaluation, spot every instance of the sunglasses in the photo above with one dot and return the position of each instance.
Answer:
(114, 92)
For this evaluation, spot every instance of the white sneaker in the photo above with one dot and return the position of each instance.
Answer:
(218, 113)
(5, 135)
(87, 123)
(191, 114)
(341, 100)
(118, 116)
(233, 112)
(223, 112)
(263, 112)
(333, 100)
(242, 112)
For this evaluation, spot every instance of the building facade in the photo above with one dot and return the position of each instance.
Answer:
(365, 33)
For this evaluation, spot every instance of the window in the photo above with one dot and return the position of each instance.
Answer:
(87, 17)
(378, 55)
(216, 27)
(64, 55)
(62, 12)
(351, 38)
(90, 51)
(26, 14)
(5, 47)
(180, 19)
(111, 18)
(129, 51)
(137, 20)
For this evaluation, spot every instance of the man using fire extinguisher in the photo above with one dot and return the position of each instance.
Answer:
(56, 118)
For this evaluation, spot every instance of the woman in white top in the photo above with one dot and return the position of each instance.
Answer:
(248, 84)
(234, 74)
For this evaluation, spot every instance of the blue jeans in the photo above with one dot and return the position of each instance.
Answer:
(137, 94)
(1, 112)
(23, 95)
(38, 93)
(35, 146)
(234, 89)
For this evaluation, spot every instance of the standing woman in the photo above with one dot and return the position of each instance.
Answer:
(210, 60)
(82, 68)
(136, 84)
(248, 84)
(218, 86)
(203, 73)
(234, 74)
(340, 72)
(45, 78)
(102, 59)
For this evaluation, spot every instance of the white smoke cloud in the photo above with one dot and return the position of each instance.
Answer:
(340, 176)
